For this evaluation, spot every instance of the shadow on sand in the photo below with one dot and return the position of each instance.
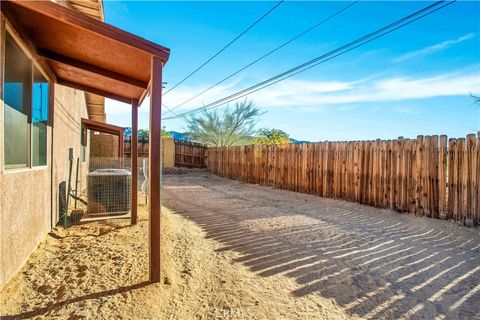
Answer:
(375, 263)
(95, 295)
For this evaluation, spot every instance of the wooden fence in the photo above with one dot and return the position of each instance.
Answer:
(142, 147)
(168, 151)
(177, 153)
(429, 176)
(190, 154)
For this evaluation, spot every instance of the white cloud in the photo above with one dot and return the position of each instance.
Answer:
(432, 49)
(183, 93)
(316, 96)
(282, 92)
(380, 90)
(113, 107)
(406, 110)
(297, 93)
(347, 108)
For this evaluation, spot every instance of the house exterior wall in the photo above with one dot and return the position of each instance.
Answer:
(25, 209)
(29, 197)
(69, 109)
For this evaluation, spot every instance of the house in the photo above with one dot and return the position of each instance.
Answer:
(58, 61)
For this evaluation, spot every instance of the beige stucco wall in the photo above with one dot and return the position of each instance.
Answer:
(29, 197)
(24, 212)
(70, 107)
(168, 152)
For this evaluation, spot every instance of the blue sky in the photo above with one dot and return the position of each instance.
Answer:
(413, 81)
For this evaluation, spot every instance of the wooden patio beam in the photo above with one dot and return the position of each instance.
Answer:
(52, 56)
(94, 90)
(144, 94)
(134, 161)
(103, 127)
(154, 167)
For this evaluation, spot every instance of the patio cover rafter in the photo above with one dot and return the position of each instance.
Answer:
(52, 56)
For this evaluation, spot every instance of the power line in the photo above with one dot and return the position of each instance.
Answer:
(323, 61)
(225, 47)
(171, 110)
(324, 58)
(292, 70)
(267, 54)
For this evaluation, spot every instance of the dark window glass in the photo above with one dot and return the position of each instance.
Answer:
(17, 87)
(39, 119)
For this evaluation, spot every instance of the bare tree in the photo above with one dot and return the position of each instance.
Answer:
(225, 128)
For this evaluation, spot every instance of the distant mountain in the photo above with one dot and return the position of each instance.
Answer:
(298, 141)
(184, 136)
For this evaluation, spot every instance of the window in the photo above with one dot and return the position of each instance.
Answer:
(26, 110)
(39, 119)
(18, 80)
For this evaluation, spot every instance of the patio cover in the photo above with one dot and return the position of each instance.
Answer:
(85, 53)
(80, 52)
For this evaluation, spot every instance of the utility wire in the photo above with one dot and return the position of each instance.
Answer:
(323, 61)
(323, 58)
(175, 113)
(267, 54)
(225, 47)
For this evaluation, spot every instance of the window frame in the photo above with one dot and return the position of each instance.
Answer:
(32, 123)
(8, 29)
(83, 143)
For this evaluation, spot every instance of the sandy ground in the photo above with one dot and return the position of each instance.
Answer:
(375, 263)
(98, 271)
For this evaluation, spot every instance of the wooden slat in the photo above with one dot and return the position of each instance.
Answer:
(470, 196)
(476, 190)
(442, 178)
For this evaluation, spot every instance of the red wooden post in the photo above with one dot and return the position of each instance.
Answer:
(154, 167)
(134, 161)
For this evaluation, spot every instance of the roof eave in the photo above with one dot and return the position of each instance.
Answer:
(80, 20)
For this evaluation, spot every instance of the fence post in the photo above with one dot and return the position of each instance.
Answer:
(442, 178)
(419, 176)
(477, 181)
(471, 178)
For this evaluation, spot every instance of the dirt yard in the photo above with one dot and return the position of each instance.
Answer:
(99, 271)
(375, 263)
